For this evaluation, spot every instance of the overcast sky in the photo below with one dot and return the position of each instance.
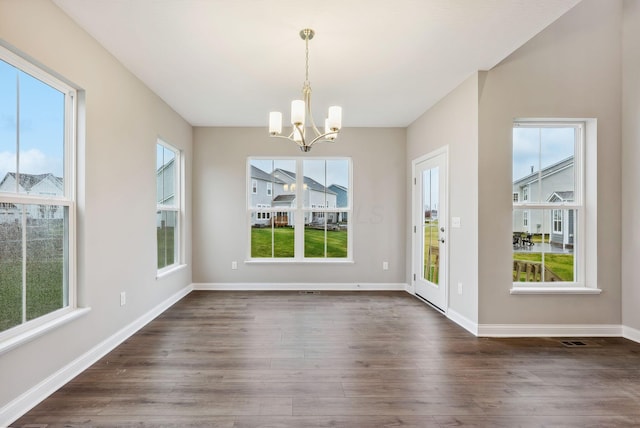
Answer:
(41, 110)
(331, 171)
(539, 148)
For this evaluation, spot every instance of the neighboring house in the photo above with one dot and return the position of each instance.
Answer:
(165, 175)
(315, 196)
(555, 183)
(278, 190)
(31, 184)
(342, 200)
(264, 188)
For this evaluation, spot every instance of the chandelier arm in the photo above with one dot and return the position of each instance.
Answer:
(322, 138)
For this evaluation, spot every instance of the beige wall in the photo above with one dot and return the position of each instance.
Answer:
(116, 202)
(453, 122)
(631, 166)
(570, 70)
(219, 174)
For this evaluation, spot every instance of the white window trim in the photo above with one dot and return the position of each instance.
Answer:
(585, 253)
(269, 189)
(19, 334)
(177, 207)
(299, 212)
(557, 220)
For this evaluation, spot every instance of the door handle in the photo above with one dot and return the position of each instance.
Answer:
(442, 240)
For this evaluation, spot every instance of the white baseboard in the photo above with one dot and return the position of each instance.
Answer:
(28, 400)
(631, 333)
(549, 330)
(297, 286)
(463, 321)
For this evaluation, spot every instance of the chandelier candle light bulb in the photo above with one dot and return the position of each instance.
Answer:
(300, 109)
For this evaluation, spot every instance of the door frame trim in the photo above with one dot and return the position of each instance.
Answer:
(444, 150)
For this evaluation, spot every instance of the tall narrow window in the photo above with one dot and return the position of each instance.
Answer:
(303, 215)
(548, 167)
(37, 196)
(168, 218)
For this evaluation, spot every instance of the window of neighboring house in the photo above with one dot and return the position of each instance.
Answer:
(37, 197)
(557, 221)
(302, 190)
(169, 179)
(516, 197)
(254, 186)
(549, 156)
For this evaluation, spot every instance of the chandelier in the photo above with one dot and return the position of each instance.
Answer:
(300, 109)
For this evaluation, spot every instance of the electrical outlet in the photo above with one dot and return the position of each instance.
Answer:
(459, 288)
(234, 265)
(385, 265)
(123, 298)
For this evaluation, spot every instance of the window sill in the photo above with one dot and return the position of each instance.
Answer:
(33, 333)
(554, 290)
(300, 262)
(168, 271)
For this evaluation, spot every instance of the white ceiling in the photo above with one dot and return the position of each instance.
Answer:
(230, 62)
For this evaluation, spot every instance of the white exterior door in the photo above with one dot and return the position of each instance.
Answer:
(430, 228)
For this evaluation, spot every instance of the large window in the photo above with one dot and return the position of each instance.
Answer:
(298, 209)
(37, 199)
(548, 226)
(168, 217)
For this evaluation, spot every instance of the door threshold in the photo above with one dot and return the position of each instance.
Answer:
(430, 304)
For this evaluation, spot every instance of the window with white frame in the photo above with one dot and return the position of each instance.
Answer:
(169, 205)
(37, 196)
(294, 220)
(557, 221)
(548, 167)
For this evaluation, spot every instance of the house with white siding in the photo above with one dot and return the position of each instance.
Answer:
(31, 184)
(555, 183)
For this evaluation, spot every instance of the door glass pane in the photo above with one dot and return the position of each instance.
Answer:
(430, 197)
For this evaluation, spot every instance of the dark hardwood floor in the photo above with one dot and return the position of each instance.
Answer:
(362, 359)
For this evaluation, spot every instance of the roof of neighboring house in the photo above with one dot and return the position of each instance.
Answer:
(565, 196)
(284, 198)
(261, 175)
(339, 187)
(27, 181)
(310, 182)
(551, 169)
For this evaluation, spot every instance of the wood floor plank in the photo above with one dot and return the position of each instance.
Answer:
(341, 359)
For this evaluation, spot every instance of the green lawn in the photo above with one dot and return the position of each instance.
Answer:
(43, 291)
(166, 253)
(560, 264)
(431, 247)
(283, 242)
